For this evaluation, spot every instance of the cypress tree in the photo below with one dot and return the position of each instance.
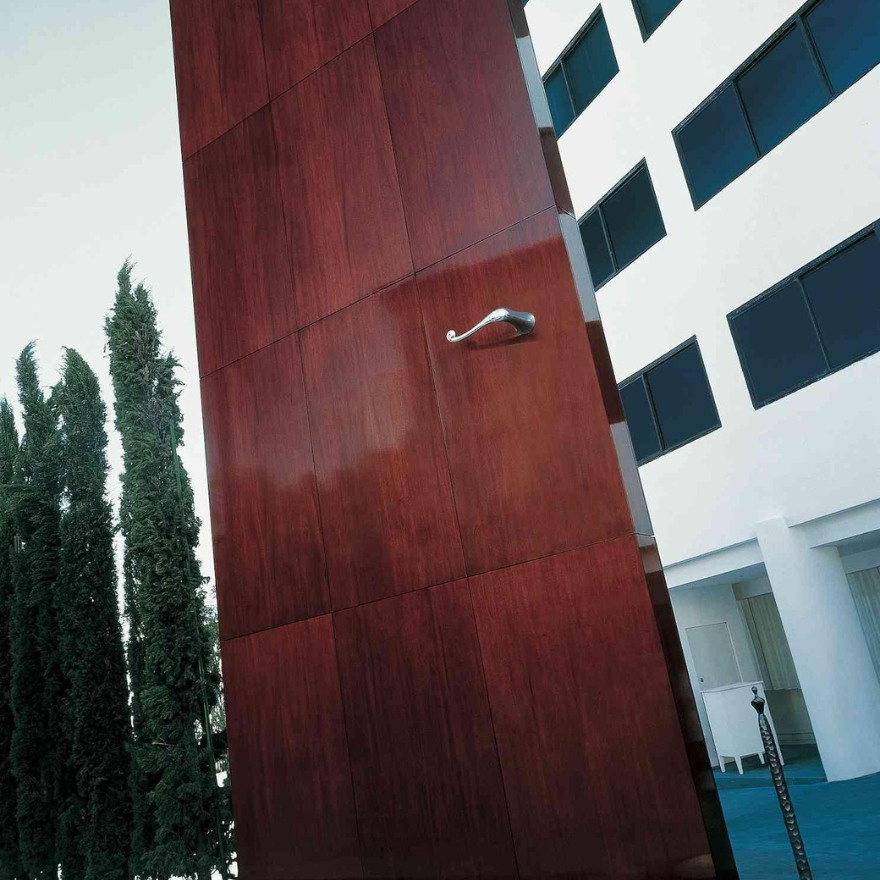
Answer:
(37, 686)
(174, 678)
(10, 865)
(139, 782)
(95, 826)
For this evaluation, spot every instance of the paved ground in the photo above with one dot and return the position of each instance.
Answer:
(839, 821)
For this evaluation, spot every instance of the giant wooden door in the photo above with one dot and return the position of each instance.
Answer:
(447, 643)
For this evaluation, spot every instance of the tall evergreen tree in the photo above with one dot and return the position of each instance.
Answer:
(10, 864)
(142, 833)
(38, 747)
(175, 681)
(95, 826)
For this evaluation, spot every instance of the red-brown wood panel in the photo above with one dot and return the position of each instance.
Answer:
(294, 809)
(591, 751)
(524, 420)
(264, 510)
(301, 35)
(428, 790)
(677, 825)
(218, 59)
(382, 10)
(344, 215)
(241, 278)
(467, 147)
(521, 721)
(386, 503)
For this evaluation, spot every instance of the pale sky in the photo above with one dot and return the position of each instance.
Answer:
(90, 172)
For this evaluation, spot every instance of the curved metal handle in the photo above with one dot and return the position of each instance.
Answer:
(523, 321)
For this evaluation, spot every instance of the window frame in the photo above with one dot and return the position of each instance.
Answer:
(597, 206)
(640, 18)
(560, 58)
(640, 376)
(796, 276)
(795, 22)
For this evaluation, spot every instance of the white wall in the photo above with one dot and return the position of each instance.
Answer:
(818, 187)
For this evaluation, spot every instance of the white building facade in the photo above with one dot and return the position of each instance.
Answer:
(756, 125)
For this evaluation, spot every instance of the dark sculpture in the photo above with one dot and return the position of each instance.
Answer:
(781, 786)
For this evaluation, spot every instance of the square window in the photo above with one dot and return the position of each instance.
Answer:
(596, 248)
(778, 344)
(653, 12)
(682, 397)
(844, 294)
(561, 110)
(716, 146)
(781, 90)
(590, 64)
(847, 36)
(633, 218)
(640, 420)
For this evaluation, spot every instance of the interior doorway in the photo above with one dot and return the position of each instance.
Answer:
(713, 654)
(778, 672)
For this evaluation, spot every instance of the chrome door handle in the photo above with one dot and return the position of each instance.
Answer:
(523, 321)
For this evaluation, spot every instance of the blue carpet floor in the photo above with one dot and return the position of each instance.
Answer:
(839, 821)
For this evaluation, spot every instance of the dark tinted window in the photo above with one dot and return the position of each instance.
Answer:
(682, 398)
(590, 64)
(582, 72)
(596, 248)
(778, 344)
(782, 90)
(640, 420)
(654, 11)
(821, 321)
(847, 36)
(669, 403)
(633, 218)
(779, 91)
(716, 146)
(559, 100)
(844, 294)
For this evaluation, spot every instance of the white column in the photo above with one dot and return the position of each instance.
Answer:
(828, 646)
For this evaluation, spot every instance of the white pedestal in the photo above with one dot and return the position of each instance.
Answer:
(734, 723)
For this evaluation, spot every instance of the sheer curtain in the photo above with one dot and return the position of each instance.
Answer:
(771, 646)
(865, 586)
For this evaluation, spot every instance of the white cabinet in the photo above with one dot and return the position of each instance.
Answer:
(734, 723)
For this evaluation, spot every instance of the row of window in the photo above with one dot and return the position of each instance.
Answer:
(823, 318)
(818, 54)
(819, 320)
(588, 63)
(650, 13)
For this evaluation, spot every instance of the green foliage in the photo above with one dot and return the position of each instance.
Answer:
(142, 821)
(95, 825)
(37, 752)
(170, 636)
(10, 864)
